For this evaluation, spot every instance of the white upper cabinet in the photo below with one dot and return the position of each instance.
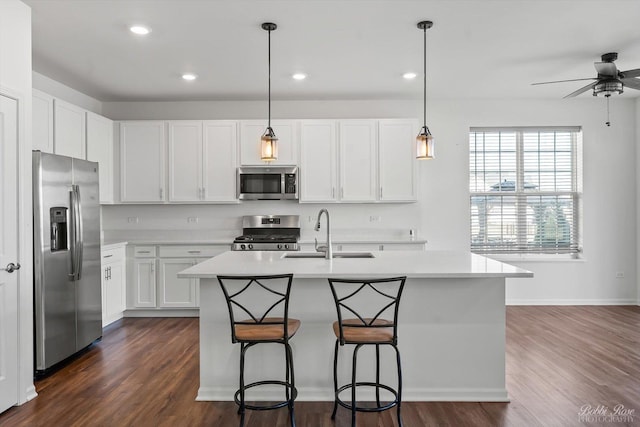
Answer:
(185, 161)
(42, 110)
(318, 161)
(100, 149)
(397, 160)
(142, 161)
(220, 160)
(202, 161)
(69, 129)
(364, 161)
(250, 133)
(357, 148)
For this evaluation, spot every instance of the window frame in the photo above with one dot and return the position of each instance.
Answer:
(522, 246)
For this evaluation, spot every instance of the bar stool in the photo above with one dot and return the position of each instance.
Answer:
(265, 301)
(366, 329)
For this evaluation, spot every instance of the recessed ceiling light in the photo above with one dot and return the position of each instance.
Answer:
(299, 76)
(189, 76)
(140, 30)
(409, 76)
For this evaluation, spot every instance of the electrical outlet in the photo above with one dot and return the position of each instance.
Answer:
(619, 274)
(192, 220)
(375, 218)
(133, 220)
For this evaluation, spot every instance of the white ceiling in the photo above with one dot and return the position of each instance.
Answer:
(350, 49)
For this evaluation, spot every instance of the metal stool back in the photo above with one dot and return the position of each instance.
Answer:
(364, 308)
(262, 302)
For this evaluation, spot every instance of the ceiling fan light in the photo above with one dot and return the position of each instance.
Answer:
(425, 144)
(608, 87)
(269, 146)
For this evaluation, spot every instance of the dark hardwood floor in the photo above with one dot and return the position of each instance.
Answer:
(145, 373)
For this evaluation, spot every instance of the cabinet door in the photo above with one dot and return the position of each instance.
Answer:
(396, 160)
(358, 161)
(100, 149)
(68, 129)
(250, 133)
(185, 161)
(173, 291)
(145, 283)
(113, 301)
(318, 170)
(42, 118)
(142, 164)
(220, 160)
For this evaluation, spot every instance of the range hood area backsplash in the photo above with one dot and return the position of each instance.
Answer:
(215, 222)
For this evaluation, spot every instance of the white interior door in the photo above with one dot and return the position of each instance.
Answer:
(8, 253)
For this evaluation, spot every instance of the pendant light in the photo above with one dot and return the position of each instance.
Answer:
(424, 140)
(269, 141)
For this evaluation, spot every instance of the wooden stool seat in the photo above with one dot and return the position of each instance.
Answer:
(249, 330)
(354, 331)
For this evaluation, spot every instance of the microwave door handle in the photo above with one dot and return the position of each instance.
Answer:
(283, 188)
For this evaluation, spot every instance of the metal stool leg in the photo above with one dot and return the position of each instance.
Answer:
(399, 385)
(353, 384)
(290, 380)
(241, 410)
(378, 375)
(335, 380)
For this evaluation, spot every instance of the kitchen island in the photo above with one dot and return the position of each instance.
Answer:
(451, 330)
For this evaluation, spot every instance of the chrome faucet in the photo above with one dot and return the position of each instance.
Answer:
(328, 252)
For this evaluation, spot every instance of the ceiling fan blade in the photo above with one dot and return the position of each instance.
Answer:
(581, 90)
(606, 68)
(562, 81)
(632, 83)
(631, 73)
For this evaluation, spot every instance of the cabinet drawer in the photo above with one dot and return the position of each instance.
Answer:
(113, 255)
(199, 251)
(144, 252)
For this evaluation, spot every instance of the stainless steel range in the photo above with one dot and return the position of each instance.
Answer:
(269, 233)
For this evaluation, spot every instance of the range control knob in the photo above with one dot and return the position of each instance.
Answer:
(242, 247)
(280, 246)
(286, 246)
(250, 246)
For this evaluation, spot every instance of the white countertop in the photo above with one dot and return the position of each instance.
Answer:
(413, 264)
(106, 246)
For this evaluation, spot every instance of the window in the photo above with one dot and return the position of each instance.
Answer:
(525, 189)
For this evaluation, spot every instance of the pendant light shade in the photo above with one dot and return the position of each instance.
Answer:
(424, 140)
(269, 141)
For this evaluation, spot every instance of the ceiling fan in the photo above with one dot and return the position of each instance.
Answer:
(609, 79)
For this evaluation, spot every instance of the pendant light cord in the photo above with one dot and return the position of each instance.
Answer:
(269, 61)
(424, 77)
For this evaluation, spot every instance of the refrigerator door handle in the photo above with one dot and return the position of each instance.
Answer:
(73, 233)
(79, 233)
(76, 234)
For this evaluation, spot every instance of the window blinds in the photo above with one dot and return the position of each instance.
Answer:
(525, 190)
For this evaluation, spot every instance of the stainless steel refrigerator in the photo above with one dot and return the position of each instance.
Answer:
(66, 257)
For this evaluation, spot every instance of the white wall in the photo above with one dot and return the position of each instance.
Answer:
(442, 214)
(58, 90)
(15, 76)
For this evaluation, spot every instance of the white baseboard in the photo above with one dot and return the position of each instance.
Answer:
(154, 312)
(621, 301)
(313, 394)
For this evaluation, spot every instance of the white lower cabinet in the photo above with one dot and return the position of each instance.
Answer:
(175, 292)
(113, 285)
(161, 288)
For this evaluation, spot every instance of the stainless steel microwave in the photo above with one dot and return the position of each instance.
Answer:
(267, 183)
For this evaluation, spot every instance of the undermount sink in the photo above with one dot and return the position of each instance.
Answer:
(335, 255)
